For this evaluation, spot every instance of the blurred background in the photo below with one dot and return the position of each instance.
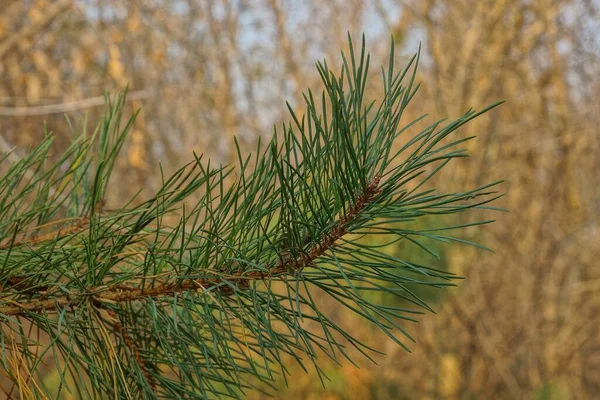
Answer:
(525, 324)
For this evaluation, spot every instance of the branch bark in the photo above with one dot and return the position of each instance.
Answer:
(121, 293)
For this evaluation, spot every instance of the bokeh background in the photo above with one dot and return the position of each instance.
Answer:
(525, 324)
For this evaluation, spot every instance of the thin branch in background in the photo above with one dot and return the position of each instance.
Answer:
(62, 108)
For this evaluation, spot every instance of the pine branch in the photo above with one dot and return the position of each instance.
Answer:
(213, 304)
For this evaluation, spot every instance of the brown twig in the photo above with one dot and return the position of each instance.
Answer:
(53, 235)
(125, 293)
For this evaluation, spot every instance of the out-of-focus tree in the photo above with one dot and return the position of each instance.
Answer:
(526, 321)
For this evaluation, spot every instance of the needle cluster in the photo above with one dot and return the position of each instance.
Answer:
(127, 305)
